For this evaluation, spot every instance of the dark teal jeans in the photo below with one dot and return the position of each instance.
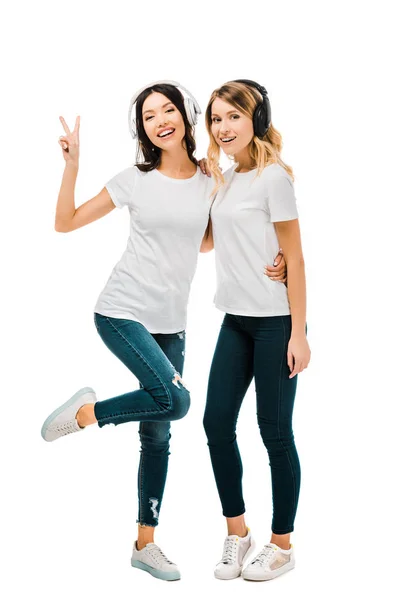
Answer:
(156, 360)
(256, 347)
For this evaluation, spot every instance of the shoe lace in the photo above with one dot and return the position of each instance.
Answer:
(230, 551)
(263, 557)
(159, 555)
(66, 428)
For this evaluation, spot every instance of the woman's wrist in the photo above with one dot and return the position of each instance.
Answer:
(72, 165)
(298, 333)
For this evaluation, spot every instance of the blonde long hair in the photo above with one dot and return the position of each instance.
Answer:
(263, 152)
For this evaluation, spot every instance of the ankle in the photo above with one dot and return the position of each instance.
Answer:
(239, 531)
(145, 535)
(85, 415)
(140, 545)
(281, 541)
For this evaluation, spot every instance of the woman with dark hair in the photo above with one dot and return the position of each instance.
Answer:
(141, 313)
(263, 333)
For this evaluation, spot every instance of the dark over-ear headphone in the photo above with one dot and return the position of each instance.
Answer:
(262, 112)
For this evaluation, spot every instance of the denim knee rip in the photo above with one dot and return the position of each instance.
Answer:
(177, 378)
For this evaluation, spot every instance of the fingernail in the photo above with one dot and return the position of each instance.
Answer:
(275, 263)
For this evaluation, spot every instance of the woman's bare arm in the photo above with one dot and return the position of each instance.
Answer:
(68, 217)
(298, 352)
(288, 233)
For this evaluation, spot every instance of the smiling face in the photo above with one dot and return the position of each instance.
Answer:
(232, 130)
(162, 122)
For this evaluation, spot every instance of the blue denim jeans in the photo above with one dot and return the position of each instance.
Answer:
(256, 347)
(157, 362)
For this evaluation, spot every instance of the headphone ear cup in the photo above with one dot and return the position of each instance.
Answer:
(190, 111)
(133, 129)
(258, 121)
(267, 113)
(262, 118)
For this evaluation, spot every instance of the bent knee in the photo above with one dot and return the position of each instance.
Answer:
(178, 382)
(180, 398)
(180, 406)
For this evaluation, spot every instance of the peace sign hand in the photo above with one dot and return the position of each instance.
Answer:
(70, 142)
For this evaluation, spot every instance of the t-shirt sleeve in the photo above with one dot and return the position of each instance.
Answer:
(281, 200)
(121, 187)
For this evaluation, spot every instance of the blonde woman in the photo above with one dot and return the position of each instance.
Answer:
(263, 334)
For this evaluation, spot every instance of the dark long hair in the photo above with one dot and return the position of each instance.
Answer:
(148, 156)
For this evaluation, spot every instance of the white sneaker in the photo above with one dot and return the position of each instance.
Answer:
(236, 550)
(271, 562)
(63, 420)
(153, 560)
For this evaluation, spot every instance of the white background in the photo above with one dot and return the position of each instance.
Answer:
(69, 508)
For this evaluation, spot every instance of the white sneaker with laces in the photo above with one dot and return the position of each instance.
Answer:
(236, 550)
(271, 562)
(63, 421)
(153, 560)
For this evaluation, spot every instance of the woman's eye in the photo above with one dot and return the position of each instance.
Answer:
(235, 117)
(216, 119)
(148, 118)
(170, 110)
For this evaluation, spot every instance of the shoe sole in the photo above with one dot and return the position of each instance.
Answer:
(249, 551)
(166, 576)
(61, 408)
(272, 575)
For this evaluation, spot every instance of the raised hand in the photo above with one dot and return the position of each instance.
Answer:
(70, 142)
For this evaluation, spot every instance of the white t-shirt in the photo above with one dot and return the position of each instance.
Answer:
(168, 217)
(245, 240)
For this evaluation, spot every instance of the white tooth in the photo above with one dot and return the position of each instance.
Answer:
(164, 133)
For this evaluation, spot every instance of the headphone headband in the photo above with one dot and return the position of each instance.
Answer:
(254, 84)
(191, 105)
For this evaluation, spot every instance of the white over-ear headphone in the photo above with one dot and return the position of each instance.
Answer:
(192, 107)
